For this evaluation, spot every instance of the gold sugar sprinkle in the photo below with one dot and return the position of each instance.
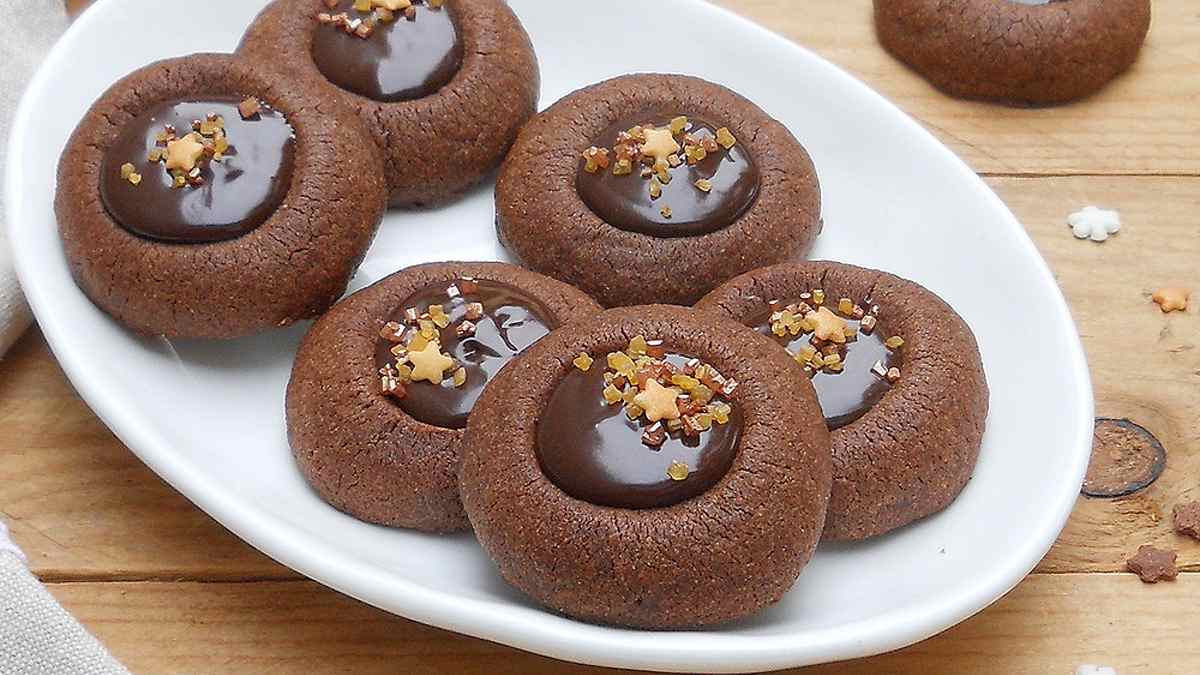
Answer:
(583, 361)
(678, 470)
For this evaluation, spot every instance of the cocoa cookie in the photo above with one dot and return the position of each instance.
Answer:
(898, 376)
(443, 85)
(383, 383)
(651, 467)
(1020, 51)
(199, 198)
(655, 187)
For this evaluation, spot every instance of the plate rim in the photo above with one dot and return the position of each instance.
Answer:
(472, 616)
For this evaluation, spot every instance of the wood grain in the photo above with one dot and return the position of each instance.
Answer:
(1145, 365)
(82, 506)
(169, 590)
(1145, 122)
(1049, 625)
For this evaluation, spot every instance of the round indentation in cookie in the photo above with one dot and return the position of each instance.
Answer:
(667, 175)
(446, 341)
(198, 170)
(195, 277)
(852, 364)
(773, 214)
(1126, 458)
(366, 449)
(720, 555)
(638, 431)
(388, 50)
(909, 453)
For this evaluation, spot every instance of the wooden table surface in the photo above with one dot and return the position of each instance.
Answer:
(169, 590)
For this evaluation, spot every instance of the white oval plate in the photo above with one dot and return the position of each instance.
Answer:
(208, 417)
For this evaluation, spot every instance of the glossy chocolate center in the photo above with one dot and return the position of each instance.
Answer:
(512, 320)
(683, 209)
(594, 452)
(847, 395)
(399, 60)
(229, 197)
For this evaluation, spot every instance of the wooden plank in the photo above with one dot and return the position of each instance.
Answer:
(1145, 365)
(1145, 122)
(1050, 624)
(81, 505)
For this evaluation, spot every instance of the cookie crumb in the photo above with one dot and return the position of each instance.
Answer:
(1186, 518)
(1153, 564)
(704, 185)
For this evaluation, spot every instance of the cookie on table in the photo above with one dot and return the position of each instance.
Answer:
(1019, 51)
(652, 467)
(383, 384)
(200, 198)
(898, 376)
(655, 188)
(443, 85)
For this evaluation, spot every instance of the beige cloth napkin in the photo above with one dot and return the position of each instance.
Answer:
(30, 29)
(37, 636)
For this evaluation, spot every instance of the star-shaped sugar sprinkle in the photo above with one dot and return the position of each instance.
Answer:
(1153, 564)
(183, 153)
(828, 326)
(658, 401)
(660, 144)
(429, 364)
(1172, 299)
(1094, 223)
